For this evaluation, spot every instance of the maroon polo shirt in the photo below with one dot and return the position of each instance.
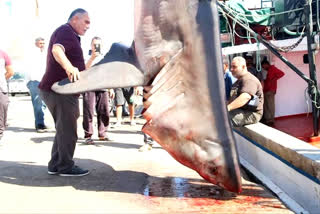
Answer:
(70, 40)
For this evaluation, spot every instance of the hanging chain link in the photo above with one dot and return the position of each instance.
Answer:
(287, 48)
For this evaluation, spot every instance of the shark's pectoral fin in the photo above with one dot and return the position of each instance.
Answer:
(109, 75)
(116, 70)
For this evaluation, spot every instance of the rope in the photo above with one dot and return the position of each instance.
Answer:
(313, 87)
(318, 24)
(243, 20)
(263, 15)
(290, 47)
(258, 59)
(229, 26)
(306, 95)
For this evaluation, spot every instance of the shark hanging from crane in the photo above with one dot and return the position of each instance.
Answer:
(176, 57)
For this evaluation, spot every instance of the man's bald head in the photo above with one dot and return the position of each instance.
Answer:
(238, 66)
(77, 12)
(79, 20)
(240, 60)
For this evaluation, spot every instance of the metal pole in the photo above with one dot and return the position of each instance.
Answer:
(313, 89)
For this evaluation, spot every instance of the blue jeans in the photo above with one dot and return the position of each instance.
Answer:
(38, 105)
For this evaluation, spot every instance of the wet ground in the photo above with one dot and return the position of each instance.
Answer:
(122, 179)
(299, 126)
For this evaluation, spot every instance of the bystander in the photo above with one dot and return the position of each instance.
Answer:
(6, 71)
(97, 100)
(269, 90)
(36, 70)
(245, 105)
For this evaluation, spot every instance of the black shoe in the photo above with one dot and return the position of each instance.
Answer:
(125, 114)
(53, 172)
(41, 128)
(88, 141)
(75, 171)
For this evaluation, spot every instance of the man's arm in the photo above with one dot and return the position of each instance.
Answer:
(90, 61)
(93, 56)
(239, 101)
(59, 55)
(111, 93)
(9, 72)
(276, 74)
(279, 73)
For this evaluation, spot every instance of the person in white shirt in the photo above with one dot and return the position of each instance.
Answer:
(36, 71)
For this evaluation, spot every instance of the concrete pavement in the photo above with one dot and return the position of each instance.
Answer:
(122, 179)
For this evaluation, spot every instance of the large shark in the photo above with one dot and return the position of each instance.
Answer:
(176, 56)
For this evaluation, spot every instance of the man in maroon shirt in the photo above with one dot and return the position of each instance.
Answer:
(269, 90)
(64, 59)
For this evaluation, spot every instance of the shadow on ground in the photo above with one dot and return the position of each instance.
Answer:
(24, 130)
(125, 131)
(114, 144)
(104, 178)
(41, 139)
(97, 143)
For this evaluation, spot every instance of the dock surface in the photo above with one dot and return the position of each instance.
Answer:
(122, 179)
